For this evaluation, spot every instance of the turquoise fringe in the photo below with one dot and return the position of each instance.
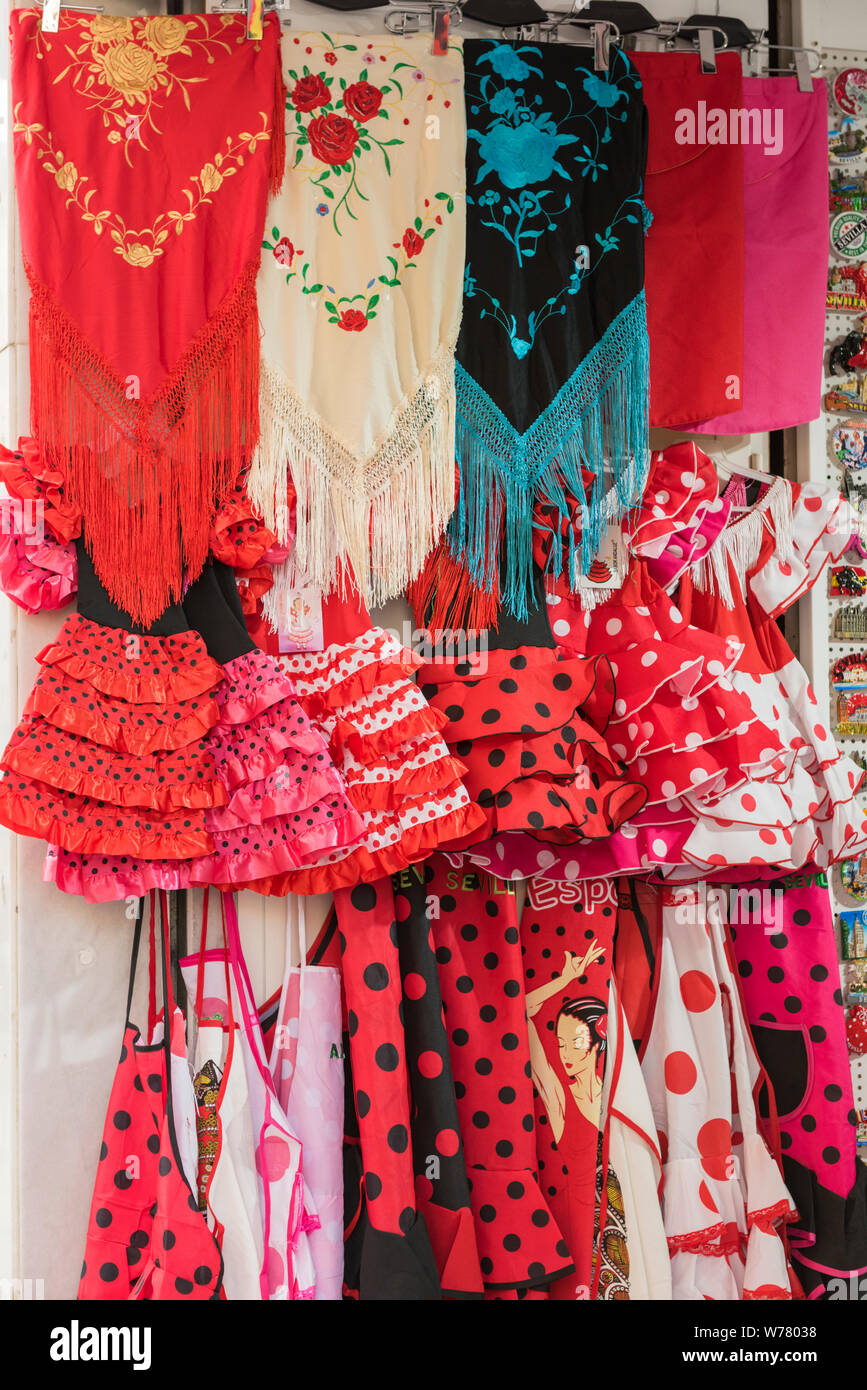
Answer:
(598, 421)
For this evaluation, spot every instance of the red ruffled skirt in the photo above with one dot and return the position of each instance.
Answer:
(145, 764)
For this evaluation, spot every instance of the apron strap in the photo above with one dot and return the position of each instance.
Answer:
(133, 961)
(203, 946)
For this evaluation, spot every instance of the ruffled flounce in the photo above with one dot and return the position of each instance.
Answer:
(388, 847)
(246, 799)
(140, 729)
(29, 479)
(400, 776)
(519, 1242)
(85, 825)
(126, 666)
(534, 761)
(167, 780)
(37, 572)
(252, 684)
(239, 536)
(453, 1241)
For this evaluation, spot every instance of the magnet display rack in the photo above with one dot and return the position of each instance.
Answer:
(827, 647)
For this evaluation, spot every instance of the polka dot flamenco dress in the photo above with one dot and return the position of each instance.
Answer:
(402, 780)
(532, 733)
(148, 760)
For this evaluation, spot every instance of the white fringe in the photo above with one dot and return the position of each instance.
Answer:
(741, 541)
(381, 515)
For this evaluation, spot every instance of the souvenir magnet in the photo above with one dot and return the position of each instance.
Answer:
(849, 442)
(849, 395)
(853, 929)
(849, 91)
(849, 235)
(847, 287)
(846, 143)
(848, 581)
(853, 876)
(850, 352)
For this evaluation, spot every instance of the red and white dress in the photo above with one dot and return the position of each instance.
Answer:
(762, 563)
(723, 1195)
(386, 740)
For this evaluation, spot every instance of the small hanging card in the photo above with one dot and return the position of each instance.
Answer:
(301, 622)
(608, 567)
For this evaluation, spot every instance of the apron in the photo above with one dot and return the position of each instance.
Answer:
(227, 1182)
(146, 1238)
(307, 1067)
(287, 1270)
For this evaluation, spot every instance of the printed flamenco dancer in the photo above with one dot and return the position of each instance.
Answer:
(581, 1027)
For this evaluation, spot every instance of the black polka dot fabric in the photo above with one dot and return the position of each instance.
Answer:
(481, 977)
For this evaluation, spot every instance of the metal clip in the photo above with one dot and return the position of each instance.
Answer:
(802, 70)
(706, 50)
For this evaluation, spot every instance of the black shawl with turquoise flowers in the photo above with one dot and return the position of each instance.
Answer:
(552, 377)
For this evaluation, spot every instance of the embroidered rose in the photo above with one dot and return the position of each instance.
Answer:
(521, 155)
(284, 251)
(165, 33)
(310, 92)
(129, 69)
(332, 138)
(362, 100)
(106, 28)
(210, 178)
(66, 177)
(352, 320)
(331, 59)
(605, 94)
(138, 255)
(412, 242)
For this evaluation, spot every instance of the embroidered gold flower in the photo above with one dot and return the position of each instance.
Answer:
(139, 247)
(66, 176)
(129, 69)
(116, 63)
(165, 33)
(106, 28)
(137, 254)
(210, 178)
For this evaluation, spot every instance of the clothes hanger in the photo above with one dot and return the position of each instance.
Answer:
(727, 469)
(51, 13)
(596, 34)
(802, 67)
(439, 19)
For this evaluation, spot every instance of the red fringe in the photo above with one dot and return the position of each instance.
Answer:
(444, 597)
(148, 475)
(278, 131)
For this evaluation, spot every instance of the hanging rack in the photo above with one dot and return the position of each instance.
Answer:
(51, 12)
(599, 34)
(278, 7)
(417, 19)
(800, 66)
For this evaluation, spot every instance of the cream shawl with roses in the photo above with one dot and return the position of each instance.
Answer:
(360, 297)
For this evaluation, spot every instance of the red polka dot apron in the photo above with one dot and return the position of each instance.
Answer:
(789, 978)
(441, 1184)
(146, 1237)
(396, 1260)
(567, 933)
(478, 950)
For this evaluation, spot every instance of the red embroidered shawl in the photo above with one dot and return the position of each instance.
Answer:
(144, 152)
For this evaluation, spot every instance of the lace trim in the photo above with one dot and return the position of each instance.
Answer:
(741, 541)
(379, 515)
(598, 419)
